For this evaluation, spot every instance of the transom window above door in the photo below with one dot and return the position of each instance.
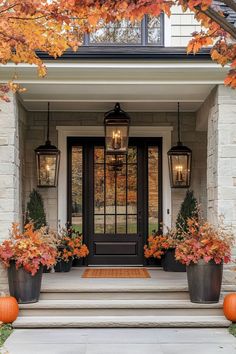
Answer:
(148, 31)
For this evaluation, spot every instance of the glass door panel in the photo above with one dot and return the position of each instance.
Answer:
(77, 188)
(153, 187)
(115, 193)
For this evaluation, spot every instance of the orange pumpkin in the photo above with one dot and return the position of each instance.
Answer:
(9, 309)
(230, 307)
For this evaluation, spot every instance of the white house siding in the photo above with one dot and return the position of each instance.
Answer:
(36, 135)
(183, 24)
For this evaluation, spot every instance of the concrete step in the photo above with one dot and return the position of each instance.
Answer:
(116, 293)
(119, 308)
(121, 321)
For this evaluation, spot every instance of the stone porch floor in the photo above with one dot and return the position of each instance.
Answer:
(160, 280)
(72, 281)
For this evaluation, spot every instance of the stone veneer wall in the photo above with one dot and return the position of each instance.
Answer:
(36, 133)
(12, 121)
(221, 157)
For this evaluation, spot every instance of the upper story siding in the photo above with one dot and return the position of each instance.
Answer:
(181, 26)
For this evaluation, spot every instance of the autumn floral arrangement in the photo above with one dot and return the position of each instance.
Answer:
(158, 244)
(71, 245)
(204, 241)
(29, 249)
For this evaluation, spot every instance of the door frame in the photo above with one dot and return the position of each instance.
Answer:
(88, 144)
(64, 132)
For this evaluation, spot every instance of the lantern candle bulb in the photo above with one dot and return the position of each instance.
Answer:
(116, 139)
(47, 171)
(179, 174)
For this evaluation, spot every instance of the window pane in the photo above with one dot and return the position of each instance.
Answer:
(153, 22)
(132, 189)
(98, 154)
(99, 189)
(154, 30)
(132, 224)
(122, 32)
(121, 224)
(152, 189)
(132, 154)
(77, 186)
(121, 191)
(110, 224)
(77, 223)
(154, 36)
(110, 191)
(99, 224)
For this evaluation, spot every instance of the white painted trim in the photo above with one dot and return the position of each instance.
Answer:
(98, 131)
(112, 101)
(121, 65)
(167, 31)
(120, 82)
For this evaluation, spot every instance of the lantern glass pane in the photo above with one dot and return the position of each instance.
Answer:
(180, 170)
(116, 139)
(47, 169)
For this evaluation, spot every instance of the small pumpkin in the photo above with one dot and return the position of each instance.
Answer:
(230, 307)
(9, 309)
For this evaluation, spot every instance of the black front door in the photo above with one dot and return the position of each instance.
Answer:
(114, 208)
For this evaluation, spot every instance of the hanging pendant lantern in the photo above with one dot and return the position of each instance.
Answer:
(116, 124)
(47, 161)
(180, 161)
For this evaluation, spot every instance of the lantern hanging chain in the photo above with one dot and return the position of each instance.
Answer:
(178, 125)
(48, 122)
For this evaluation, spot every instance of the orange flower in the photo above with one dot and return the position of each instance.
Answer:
(71, 245)
(156, 247)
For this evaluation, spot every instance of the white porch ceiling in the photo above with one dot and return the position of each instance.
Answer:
(96, 86)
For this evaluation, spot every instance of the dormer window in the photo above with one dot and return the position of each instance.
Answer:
(147, 32)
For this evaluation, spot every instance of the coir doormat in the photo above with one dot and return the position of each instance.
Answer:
(116, 273)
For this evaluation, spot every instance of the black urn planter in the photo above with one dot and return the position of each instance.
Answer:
(170, 264)
(154, 262)
(24, 286)
(46, 269)
(204, 281)
(63, 266)
(78, 262)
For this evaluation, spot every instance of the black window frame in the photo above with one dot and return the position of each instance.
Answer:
(144, 37)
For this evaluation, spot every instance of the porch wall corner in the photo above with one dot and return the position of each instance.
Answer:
(9, 172)
(221, 157)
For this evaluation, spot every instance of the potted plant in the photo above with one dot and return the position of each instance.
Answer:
(35, 210)
(203, 250)
(188, 209)
(162, 247)
(35, 213)
(156, 246)
(24, 254)
(70, 247)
